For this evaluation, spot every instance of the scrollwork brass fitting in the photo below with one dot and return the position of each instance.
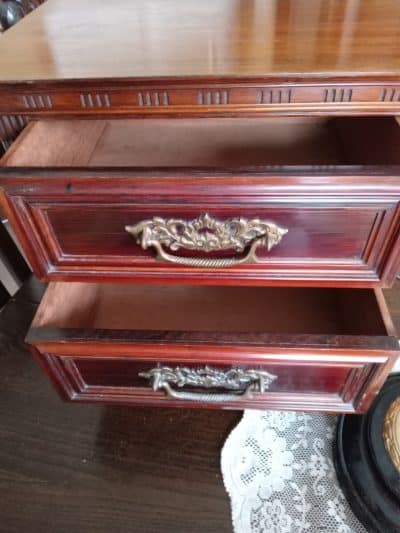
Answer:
(207, 234)
(240, 382)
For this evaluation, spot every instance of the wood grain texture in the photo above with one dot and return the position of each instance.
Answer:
(206, 142)
(342, 216)
(65, 144)
(181, 57)
(210, 309)
(94, 340)
(181, 38)
(343, 228)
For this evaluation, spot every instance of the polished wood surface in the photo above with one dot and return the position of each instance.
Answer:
(342, 216)
(70, 39)
(184, 57)
(74, 467)
(329, 349)
(68, 231)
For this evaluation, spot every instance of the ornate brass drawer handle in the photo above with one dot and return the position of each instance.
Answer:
(240, 383)
(207, 234)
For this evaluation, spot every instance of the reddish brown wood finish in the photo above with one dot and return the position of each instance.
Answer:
(336, 384)
(342, 220)
(329, 349)
(195, 59)
(228, 61)
(343, 224)
(208, 97)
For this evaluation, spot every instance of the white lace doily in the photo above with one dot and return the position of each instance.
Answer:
(278, 471)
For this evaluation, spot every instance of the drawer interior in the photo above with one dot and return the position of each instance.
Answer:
(209, 142)
(323, 349)
(213, 309)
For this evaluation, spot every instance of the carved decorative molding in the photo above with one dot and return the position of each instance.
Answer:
(390, 94)
(274, 96)
(96, 100)
(37, 101)
(338, 95)
(197, 98)
(213, 97)
(153, 98)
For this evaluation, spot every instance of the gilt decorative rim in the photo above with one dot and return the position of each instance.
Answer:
(391, 432)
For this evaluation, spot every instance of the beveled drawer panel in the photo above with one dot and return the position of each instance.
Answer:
(119, 372)
(338, 229)
(312, 349)
(298, 385)
(316, 224)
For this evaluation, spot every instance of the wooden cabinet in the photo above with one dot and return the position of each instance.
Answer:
(220, 233)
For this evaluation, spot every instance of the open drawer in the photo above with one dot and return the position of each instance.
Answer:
(208, 201)
(226, 347)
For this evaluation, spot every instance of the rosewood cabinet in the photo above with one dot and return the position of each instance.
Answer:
(216, 227)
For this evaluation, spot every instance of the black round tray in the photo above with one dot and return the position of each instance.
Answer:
(366, 473)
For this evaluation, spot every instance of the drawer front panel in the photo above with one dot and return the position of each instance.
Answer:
(91, 233)
(232, 347)
(338, 230)
(287, 378)
(305, 384)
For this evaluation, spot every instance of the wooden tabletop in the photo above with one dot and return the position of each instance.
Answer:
(202, 43)
(71, 39)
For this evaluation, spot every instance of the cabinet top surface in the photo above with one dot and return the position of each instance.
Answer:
(71, 39)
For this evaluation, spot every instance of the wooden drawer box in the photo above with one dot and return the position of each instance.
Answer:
(226, 347)
(278, 201)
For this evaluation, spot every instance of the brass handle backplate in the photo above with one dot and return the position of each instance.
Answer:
(235, 383)
(207, 234)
